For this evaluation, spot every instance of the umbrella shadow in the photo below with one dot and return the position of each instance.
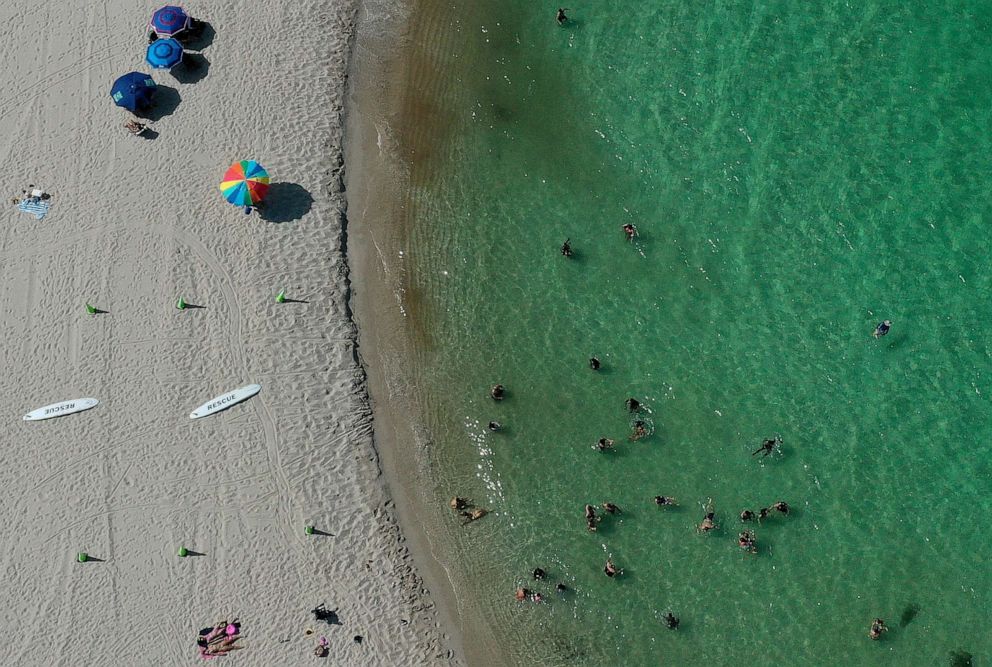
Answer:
(192, 69)
(166, 102)
(198, 36)
(286, 202)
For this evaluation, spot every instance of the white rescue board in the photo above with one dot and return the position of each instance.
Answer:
(225, 400)
(59, 409)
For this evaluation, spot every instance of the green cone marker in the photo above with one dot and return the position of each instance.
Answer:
(281, 296)
(90, 309)
(181, 303)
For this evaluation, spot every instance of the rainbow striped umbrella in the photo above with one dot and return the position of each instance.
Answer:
(245, 183)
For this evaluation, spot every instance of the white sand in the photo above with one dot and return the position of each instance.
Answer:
(135, 223)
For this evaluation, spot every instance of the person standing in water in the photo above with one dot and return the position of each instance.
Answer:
(671, 621)
(566, 248)
(560, 16)
(882, 329)
(594, 363)
(877, 628)
(497, 392)
(633, 405)
(629, 231)
(768, 446)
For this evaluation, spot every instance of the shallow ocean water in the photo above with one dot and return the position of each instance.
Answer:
(796, 175)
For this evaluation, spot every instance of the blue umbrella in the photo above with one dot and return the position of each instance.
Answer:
(164, 53)
(133, 91)
(169, 20)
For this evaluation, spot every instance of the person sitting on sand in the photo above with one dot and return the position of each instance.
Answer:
(629, 231)
(768, 446)
(603, 444)
(611, 508)
(458, 503)
(665, 500)
(747, 515)
(322, 649)
(671, 621)
(877, 628)
(781, 506)
(610, 569)
(882, 329)
(640, 431)
(560, 16)
(566, 248)
(594, 363)
(497, 392)
(134, 127)
(633, 405)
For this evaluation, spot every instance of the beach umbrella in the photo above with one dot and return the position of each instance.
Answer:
(164, 53)
(169, 20)
(245, 183)
(133, 91)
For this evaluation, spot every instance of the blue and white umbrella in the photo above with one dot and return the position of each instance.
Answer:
(133, 91)
(164, 53)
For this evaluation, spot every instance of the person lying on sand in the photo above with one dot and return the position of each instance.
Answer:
(134, 127)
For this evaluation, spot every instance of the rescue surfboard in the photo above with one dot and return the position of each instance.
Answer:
(59, 409)
(225, 400)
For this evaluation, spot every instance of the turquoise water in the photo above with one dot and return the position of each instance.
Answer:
(797, 173)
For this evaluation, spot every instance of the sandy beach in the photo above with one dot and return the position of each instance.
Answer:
(135, 223)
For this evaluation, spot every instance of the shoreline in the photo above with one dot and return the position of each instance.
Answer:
(376, 177)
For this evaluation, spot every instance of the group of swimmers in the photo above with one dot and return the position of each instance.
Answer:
(629, 230)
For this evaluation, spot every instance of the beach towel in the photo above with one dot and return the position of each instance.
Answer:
(37, 208)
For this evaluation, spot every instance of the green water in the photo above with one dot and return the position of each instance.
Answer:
(797, 173)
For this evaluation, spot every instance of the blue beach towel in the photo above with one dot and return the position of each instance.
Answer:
(38, 209)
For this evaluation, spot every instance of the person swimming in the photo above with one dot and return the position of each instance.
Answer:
(603, 444)
(594, 363)
(629, 231)
(640, 431)
(495, 426)
(560, 16)
(633, 405)
(610, 569)
(763, 513)
(747, 515)
(707, 524)
(591, 518)
(877, 628)
(497, 392)
(566, 248)
(665, 500)
(768, 446)
(746, 542)
(671, 621)
(611, 508)
(882, 329)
